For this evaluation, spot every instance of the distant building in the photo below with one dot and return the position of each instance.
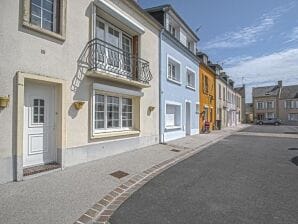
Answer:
(207, 77)
(288, 104)
(241, 92)
(249, 111)
(265, 101)
(276, 101)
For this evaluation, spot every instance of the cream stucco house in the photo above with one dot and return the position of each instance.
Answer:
(81, 79)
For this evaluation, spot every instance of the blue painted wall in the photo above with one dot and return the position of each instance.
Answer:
(179, 93)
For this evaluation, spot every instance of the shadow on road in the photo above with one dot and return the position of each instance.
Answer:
(292, 149)
(295, 160)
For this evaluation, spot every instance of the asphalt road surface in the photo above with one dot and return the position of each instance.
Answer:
(239, 180)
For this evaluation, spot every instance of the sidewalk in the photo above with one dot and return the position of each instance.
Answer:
(63, 196)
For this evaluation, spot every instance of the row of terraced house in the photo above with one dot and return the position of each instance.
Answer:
(86, 79)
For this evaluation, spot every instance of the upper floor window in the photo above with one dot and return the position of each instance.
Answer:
(173, 70)
(270, 105)
(172, 30)
(290, 104)
(224, 94)
(205, 84)
(219, 91)
(190, 75)
(45, 14)
(260, 105)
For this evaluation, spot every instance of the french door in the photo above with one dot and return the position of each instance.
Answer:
(116, 49)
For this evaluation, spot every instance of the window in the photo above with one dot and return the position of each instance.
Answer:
(224, 94)
(270, 115)
(115, 39)
(38, 111)
(290, 104)
(172, 30)
(190, 79)
(270, 105)
(205, 84)
(173, 70)
(219, 91)
(293, 117)
(45, 16)
(260, 105)
(173, 116)
(112, 112)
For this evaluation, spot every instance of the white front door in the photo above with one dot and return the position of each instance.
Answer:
(39, 124)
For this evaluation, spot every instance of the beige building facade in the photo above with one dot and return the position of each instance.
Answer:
(81, 81)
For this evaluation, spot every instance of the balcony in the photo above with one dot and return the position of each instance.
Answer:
(109, 62)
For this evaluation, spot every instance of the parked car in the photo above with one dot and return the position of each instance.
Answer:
(273, 121)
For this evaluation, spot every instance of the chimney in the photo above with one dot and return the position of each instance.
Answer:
(279, 83)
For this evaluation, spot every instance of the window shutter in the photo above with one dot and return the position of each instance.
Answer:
(285, 104)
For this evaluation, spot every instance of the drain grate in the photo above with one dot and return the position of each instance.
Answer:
(119, 174)
(175, 150)
(292, 148)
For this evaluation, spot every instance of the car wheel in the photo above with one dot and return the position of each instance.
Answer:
(276, 123)
(260, 123)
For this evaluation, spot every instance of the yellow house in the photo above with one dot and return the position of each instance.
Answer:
(207, 94)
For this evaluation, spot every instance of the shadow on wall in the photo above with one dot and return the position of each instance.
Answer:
(79, 87)
(295, 160)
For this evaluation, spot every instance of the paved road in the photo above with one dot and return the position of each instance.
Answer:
(283, 129)
(241, 180)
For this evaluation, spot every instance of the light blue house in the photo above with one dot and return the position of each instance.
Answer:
(179, 82)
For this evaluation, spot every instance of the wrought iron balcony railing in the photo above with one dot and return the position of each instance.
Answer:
(100, 55)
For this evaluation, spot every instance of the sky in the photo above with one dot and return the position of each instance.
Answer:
(256, 41)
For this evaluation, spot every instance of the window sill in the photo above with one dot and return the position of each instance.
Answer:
(43, 31)
(173, 127)
(174, 81)
(190, 87)
(114, 134)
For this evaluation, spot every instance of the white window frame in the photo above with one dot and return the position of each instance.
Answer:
(42, 17)
(106, 129)
(173, 103)
(193, 87)
(290, 116)
(169, 57)
(262, 103)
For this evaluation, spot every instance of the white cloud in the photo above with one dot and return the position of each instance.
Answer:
(293, 36)
(250, 34)
(266, 70)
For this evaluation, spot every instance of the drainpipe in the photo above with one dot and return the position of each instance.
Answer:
(161, 129)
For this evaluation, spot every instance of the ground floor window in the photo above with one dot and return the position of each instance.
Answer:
(270, 115)
(112, 112)
(260, 116)
(293, 117)
(173, 116)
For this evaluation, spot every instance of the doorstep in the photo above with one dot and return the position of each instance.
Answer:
(35, 171)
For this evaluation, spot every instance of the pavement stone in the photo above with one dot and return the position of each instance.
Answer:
(63, 196)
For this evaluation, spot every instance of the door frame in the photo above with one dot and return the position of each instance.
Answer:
(187, 131)
(60, 118)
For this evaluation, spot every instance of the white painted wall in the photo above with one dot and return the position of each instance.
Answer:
(21, 51)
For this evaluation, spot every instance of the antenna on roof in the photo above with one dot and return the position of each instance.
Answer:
(198, 29)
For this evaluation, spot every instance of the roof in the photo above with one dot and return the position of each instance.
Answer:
(168, 7)
(265, 91)
(289, 92)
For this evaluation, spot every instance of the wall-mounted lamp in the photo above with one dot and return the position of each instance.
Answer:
(4, 100)
(151, 108)
(78, 104)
